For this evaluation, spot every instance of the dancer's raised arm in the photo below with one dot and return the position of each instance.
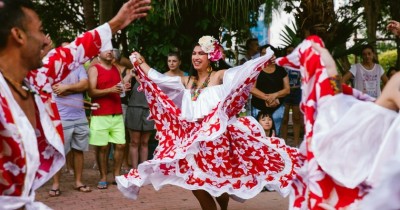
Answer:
(327, 59)
(130, 11)
(138, 60)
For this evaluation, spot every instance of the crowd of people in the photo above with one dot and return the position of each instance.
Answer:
(204, 144)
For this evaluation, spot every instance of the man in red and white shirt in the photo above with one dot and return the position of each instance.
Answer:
(30, 128)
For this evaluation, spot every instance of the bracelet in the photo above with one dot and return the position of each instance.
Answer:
(140, 60)
(336, 84)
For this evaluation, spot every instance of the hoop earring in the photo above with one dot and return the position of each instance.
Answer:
(209, 69)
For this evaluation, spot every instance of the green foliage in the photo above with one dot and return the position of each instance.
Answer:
(179, 24)
(171, 24)
(290, 35)
(352, 58)
(385, 46)
(235, 13)
(388, 59)
(155, 37)
(61, 19)
(335, 29)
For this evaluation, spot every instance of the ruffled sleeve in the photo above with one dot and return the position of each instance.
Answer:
(238, 81)
(236, 76)
(172, 86)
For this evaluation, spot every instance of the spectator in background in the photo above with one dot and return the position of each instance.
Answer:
(174, 63)
(125, 71)
(367, 74)
(251, 50)
(68, 95)
(267, 123)
(392, 70)
(269, 90)
(292, 102)
(107, 123)
(140, 128)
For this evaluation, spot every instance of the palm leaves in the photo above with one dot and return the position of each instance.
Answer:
(335, 32)
(235, 13)
(290, 35)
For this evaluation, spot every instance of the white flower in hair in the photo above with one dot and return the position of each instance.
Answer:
(207, 43)
(210, 46)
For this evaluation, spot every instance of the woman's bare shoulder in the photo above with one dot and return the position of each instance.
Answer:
(185, 80)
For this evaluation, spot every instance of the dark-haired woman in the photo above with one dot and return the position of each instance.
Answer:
(269, 91)
(203, 147)
(174, 63)
(367, 74)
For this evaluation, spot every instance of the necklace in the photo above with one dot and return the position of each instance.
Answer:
(14, 85)
(195, 92)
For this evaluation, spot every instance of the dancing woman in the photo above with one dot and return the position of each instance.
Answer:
(346, 146)
(203, 147)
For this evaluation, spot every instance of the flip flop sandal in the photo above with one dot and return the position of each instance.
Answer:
(54, 193)
(102, 185)
(83, 188)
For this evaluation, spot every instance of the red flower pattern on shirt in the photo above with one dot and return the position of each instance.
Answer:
(57, 65)
(313, 187)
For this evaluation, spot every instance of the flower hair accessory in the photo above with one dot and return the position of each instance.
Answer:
(210, 46)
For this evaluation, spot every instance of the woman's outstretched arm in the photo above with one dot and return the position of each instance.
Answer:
(138, 60)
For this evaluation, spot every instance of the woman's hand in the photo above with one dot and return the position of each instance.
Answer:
(127, 86)
(272, 104)
(136, 58)
(270, 98)
(394, 27)
(138, 61)
(271, 61)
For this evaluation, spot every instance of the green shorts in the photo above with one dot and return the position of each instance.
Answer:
(107, 129)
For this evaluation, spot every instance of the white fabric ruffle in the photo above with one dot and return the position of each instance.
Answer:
(209, 97)
(218, 153)
(347, 135)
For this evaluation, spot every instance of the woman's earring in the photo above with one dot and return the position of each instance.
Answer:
(209, 69)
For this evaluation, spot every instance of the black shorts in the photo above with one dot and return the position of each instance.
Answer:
(294, 98)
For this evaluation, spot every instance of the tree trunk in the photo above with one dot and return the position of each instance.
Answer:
(395, 13)
(106, 10)
(372, 10)
(88, 12)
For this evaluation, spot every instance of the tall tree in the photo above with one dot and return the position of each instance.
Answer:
(372, 14)
(172, 23)
(319, 17)
(61, 19)
(89, 14)
(106, 10)
(395, 14)
(181, 23)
